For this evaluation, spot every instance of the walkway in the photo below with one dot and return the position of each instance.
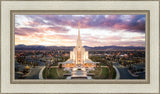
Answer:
(79, 73)
(117, 72)
(41, 73)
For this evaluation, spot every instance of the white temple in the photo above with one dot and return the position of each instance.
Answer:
(79, 56)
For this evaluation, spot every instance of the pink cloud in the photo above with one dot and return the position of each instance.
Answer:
(35, 28)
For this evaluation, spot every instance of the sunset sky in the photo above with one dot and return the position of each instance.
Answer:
(96, 30)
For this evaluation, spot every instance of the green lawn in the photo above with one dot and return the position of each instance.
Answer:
(97, 72)
(45, 74)
(57, 73)
(114, 74)
(100, 73)
(53, 73)
(61, 72)
(105, 73)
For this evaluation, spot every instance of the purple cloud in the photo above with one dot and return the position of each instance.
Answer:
(136, 23)
(58, 29)
(37, 25)
(25, 31)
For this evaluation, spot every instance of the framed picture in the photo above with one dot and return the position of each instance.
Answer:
(80, 46)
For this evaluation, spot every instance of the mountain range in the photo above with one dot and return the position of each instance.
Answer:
(41, 47)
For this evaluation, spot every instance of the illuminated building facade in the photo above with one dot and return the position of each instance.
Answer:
(79, 56)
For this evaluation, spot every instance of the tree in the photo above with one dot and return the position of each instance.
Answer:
(97, 65)
(60, 65)
(34, 64)
(31, 63)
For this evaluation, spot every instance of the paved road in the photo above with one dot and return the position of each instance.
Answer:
(124, 74)
(34, 73)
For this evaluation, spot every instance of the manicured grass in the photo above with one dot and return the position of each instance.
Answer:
(97, 72)
(53, 73)
(105, 73)
(57, 73)
(100, 73)
(114, 74)
(45, 73)
(60, 72)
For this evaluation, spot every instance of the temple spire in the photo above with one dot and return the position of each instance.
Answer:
(79, 38)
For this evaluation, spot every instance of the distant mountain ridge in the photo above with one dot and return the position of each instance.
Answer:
(41, 47)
